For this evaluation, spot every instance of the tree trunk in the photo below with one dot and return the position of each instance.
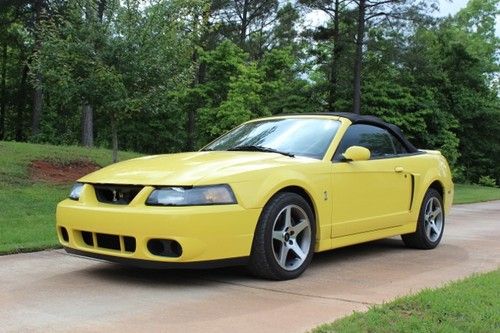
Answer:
(100, 9)
(114, 139)
(3, 98)
(87, 125)
(38, 93)
(87, 109)
(332, 97)
(359, 57)
(20, 103)
(198, 78)
(191, 121)
(244, 23)
(191, 128)
(37, 106)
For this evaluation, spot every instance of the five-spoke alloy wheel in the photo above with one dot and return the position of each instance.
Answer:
(430, 223)
(284, 239)
(433, 219)
(291, 237)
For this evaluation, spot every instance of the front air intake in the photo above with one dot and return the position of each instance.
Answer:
(64, 234)
(165, 248)
(116, 194)
(105, 241)
(125, 244)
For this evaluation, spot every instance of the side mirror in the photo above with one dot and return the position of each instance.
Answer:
(356, 153)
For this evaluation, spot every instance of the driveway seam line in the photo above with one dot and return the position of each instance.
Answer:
(293, 293)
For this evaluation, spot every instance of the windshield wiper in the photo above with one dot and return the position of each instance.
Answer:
(260, 148)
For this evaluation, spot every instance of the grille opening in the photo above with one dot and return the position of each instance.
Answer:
(165, 248)
(116, 194)
(87, 238)
(64, 234)
(106, 241)
(129, 243)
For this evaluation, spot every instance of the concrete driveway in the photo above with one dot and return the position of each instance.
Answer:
(53, 291)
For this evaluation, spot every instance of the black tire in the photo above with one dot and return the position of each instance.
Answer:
(426, 236)
(263, 259)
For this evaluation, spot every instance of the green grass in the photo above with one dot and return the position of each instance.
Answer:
(15, 157)
(27, 216)
(470, 305)
(27, 208)
(467, 193)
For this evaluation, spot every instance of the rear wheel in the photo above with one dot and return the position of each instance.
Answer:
(284, 238)
(430, 225)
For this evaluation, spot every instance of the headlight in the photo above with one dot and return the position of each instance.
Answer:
(194, 196)
(76, 190)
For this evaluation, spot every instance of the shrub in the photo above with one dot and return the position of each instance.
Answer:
(487, 181)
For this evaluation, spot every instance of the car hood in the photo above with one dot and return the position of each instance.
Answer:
(186, 168)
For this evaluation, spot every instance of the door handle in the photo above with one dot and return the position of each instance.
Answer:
(399, 169)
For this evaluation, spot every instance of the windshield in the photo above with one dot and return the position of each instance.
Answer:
(308, 137)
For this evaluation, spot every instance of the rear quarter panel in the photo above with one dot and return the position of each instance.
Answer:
(429, 167)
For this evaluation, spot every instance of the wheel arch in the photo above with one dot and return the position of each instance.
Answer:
(308, 197)
(438, 186)
(437, 177)
(435, 184)
(304, 194)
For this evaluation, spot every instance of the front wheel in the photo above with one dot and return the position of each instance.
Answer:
(430, 225)
(284, 238)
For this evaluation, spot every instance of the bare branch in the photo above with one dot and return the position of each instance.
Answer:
(375, 4)
(237, 9)
(377, 14)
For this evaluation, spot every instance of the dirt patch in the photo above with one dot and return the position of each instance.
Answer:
(60, 173)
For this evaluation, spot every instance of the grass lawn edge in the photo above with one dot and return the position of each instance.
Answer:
(429, 310)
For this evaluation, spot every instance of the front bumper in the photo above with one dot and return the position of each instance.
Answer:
(205, 233)
(152, 264)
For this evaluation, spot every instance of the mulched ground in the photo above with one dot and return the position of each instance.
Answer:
(60, 173)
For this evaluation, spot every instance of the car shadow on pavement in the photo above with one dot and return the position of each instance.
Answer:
(359, 251)
(177, 277)
(188, 277)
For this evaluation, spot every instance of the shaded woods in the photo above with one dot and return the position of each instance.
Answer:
(171, 75)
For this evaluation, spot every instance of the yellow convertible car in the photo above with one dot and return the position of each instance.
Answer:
(267, 194)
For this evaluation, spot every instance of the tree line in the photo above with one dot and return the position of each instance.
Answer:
(171, 75)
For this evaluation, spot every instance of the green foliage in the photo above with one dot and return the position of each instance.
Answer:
(243, 101)
(283, 89)
(242, 104)
(108, 63)
(487, 181)
(171, 75)
(227, 72)
(440, 88)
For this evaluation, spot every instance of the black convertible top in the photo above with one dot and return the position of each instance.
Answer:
(370, 120)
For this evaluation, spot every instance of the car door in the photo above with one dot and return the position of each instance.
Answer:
(373, 194)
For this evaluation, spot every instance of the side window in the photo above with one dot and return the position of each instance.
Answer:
(400, 149)
(377, 139)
